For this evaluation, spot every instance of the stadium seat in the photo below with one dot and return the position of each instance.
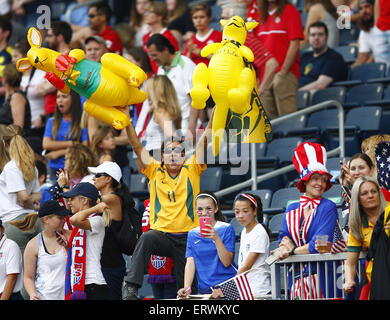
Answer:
(275, 224)
(303, 99)
(334, 194)
(329, 93)
(317, 124)
(145, 292)
(282, 129)
(216, 11)
(358, 95)
(362, 73)
(360, 123)
(349, 53)
(228, 214)
(139, 185)
(385, 105)
(333, 166)
(211, 179)
(237, 227)
(348, 35)
(283, 197)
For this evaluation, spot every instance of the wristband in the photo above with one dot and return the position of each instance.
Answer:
(292, 251)
(188, 290)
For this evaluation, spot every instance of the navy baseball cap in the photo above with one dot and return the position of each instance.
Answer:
(53, 207)
(84, 189)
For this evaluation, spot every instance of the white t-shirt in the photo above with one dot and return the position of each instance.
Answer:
(93, 272)
(11, 182)
(10, 263)
(375, 41)
(256, 240)
(37, 103)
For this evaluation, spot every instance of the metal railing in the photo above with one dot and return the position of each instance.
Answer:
(254, 180)
(280, 271)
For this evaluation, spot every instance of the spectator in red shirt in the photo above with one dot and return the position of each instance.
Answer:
(156, 16)
(280, 31)
(99, 16)
(201, 18)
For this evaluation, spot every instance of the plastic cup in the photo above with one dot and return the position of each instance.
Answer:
(322, 243)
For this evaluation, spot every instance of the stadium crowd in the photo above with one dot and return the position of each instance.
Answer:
(66, 177)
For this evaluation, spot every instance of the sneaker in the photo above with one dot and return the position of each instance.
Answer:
(131, 292)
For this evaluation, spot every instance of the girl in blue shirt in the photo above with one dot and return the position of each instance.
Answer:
(62, 130)
(209, 254)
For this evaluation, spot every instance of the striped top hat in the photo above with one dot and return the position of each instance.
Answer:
(310, 158)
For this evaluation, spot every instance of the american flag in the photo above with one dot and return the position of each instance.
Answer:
(382, 155)
(237, 288)
(339, 244)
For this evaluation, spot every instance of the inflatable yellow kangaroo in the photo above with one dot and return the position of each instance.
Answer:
(107, 85)
(231, 80)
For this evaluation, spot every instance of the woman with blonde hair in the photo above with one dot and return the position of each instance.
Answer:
(367, 205)
(165, 112)
(103, 143)
(19, 186)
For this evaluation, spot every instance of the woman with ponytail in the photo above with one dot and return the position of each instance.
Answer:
(254, 243)
(44, 258)
(19, 186)
(114, 192)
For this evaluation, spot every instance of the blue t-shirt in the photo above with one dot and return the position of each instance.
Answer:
(330, 64)
(61, 136)
(209, 269)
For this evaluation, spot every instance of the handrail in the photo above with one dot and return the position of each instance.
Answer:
(254, 180)
(304, 258)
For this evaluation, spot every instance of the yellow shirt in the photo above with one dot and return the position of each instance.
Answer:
(355, 245)
(172, 199)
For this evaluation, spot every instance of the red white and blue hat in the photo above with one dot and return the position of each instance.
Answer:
(310, 158)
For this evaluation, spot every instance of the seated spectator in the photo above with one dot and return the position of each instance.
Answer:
(95, 47)
(280, 30)
(180, 21)
(127, 34)
(324, 11)
(367, 213)
(313, 215)
(99, 15)
(201, 18)
(210, 251)
(16, 107)
(78, 17)
(372, 47)
(137, 20)
(156, 16)
(31, 79)
(323, 65)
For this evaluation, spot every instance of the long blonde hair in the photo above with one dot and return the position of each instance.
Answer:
(27, 223)
(356, 211)
(163, 95)
(20, 151)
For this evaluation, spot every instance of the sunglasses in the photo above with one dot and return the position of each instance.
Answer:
(91, 15)
(98, 175)
(177, 150)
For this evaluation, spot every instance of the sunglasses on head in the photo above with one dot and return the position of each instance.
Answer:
(177, 150)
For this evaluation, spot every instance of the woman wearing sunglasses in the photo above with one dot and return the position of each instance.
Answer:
(174, 184)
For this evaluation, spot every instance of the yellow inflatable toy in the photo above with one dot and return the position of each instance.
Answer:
(231, 80)
(107, 85)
